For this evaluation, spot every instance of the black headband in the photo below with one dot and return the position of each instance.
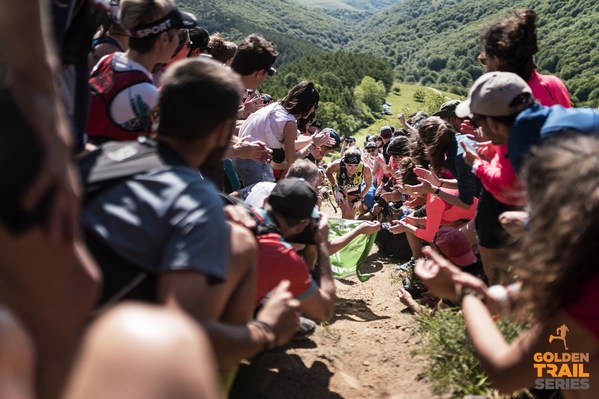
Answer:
(174, 19)
(352, 158)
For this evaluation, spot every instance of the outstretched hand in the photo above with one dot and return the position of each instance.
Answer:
(469, 156)
(429, 176)
(438, 274)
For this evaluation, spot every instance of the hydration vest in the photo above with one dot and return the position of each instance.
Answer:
(349, 183)
(105, 84)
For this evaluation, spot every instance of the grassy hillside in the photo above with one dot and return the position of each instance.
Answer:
(403, 100)
(435, 42)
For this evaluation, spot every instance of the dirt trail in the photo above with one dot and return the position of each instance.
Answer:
(365, 352)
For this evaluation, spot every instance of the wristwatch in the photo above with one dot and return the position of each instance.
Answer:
(437, 191)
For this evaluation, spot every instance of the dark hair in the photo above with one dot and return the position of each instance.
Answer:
(301, 98)
(436, 134)
(254, 53)
(406, 169)
(513, 40)
(197, 94)
(199, 39)
(400, 145)
(558, 253)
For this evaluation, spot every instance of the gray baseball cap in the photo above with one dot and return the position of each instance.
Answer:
(492, 95)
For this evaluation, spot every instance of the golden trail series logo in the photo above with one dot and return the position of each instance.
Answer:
(561, 370)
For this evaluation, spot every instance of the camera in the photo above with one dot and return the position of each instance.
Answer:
(385, 226)
(307, 235)
(266, 99)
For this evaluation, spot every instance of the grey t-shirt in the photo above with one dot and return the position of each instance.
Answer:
(168, 219)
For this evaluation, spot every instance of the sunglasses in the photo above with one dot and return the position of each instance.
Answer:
(482, 59)
(271, 71)
(371, 149)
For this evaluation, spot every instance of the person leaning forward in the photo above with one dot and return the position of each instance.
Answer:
(168, 223)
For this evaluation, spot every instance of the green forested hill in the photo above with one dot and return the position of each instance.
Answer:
(435, 42)
(297, 30)
(429, 42)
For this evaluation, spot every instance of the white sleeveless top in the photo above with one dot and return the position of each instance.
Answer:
(267, 125)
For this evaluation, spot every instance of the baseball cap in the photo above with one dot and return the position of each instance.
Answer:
(447, 109)
(333, 133)
(493, 94)
(370, 144)
(174, 19)
(294, 198)
(454, 245)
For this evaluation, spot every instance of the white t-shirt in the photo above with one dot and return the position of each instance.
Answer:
(267, 125)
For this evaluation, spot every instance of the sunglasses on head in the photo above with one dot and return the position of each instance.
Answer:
(271, 71)
(482, 59)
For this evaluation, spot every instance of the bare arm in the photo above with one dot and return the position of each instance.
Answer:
(289, 137)
(339, 243)
(32, 62)
(320, 304)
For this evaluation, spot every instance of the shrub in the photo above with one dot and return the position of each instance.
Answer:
(453, 366)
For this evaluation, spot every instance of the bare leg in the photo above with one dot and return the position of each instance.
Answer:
(494, 263)
(415, 245)
(51, 286)
(137, 351)
(17, 360)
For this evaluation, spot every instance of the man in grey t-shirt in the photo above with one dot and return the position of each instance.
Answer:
(169, 223)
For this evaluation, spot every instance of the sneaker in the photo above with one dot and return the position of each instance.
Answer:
(406, 267)
(306, 328)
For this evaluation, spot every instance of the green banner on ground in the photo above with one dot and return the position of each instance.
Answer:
(347, 261)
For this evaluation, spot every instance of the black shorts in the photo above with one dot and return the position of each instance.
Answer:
(20, 158)
(488, 229)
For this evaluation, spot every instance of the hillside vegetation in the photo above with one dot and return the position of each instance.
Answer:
(427, 42)
(435, 43)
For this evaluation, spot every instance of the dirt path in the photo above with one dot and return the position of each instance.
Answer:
(365, 352)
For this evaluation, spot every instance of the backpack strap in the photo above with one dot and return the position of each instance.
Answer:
(115, 162)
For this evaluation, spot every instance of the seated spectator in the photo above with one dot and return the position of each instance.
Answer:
(375, 161)
(221, 50)
(160, 235)
(111, 38)
(290, 209)
(438, 212)
(447, 113)
(317, 154)
(122, 87)
(276, 125)
(200, 42)
(556, 266)
(136, 351)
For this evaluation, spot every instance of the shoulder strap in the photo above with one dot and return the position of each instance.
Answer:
(116, 161)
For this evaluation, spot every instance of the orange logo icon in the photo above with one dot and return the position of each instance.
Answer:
(561, 335)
